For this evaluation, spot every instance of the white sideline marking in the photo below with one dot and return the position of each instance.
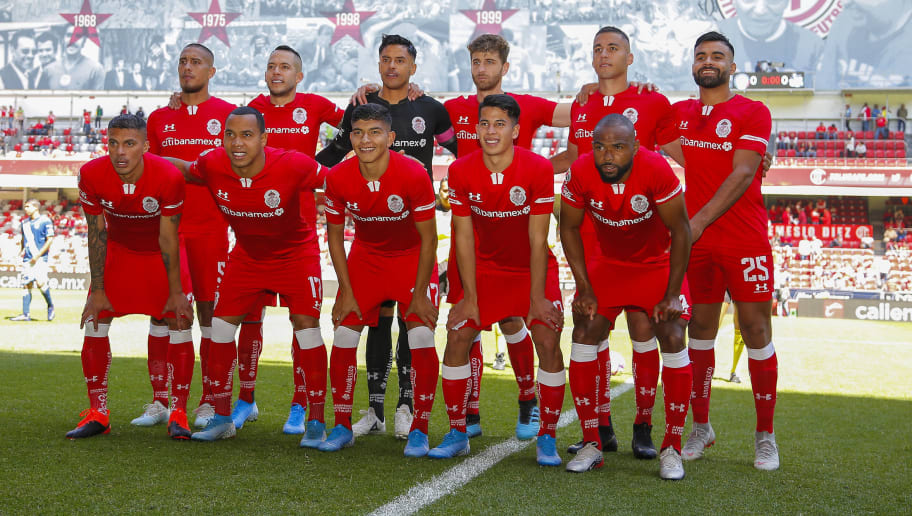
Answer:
(449, 481)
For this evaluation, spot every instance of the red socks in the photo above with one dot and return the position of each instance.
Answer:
(425, 367)
(522, 358)
(310, 363)
(676, 384)
(764, 370)
(457, 385)
(645, 378)
(584, 385)
(158, 362)
(476, 361)
(343, 373)
(250, 345)
(603, 398)
(180, 367)
(703, 362)
(96, 362)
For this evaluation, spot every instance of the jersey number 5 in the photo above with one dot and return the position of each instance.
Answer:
(755, 264)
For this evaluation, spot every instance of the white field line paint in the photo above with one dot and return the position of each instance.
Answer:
(451, 480)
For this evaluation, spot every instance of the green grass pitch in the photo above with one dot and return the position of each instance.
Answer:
(841, 425)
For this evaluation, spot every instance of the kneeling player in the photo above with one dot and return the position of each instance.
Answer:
(132, 203)
(393, 256)
(634, 201)
(258, 189)
(503, 195)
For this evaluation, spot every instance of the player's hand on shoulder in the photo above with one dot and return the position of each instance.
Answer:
(644, 86)
(175, 101)
(345, 305)
(95, 304)
(462, 312)
(585, 304)
(543, 310)
(360, 96)
(668, 309)
(414, 91)
(587, 89)
(424, 309)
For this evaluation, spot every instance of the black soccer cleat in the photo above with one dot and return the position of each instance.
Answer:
(642, 445)
(609, 440)
(575, 447)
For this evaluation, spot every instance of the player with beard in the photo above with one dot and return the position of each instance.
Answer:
(723, 137)
(258, 189)
(416, 124)
(185, 133)
(636, 205)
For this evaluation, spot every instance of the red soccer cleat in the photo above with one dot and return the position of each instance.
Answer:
(178, 427)
(92, 424)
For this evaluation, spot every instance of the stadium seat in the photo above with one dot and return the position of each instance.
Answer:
(802, 135)
(549, 134)
(67, 131)
(69, 147)
(17, 147)
(790, 153)
(901, 153)
(841, 135)
(879, 145)
(869, 135)
(899, 135)
(31, 138)
(780, 153)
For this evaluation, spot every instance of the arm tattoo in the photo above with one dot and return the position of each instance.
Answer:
(98, 247)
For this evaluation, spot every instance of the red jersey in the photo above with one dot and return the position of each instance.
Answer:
(650, 113)
(385, 211)
(534, 112)
(86, 118)
(625, 215)
(296, 125)
(264, 210)
(710, 135)
(184, 134)
(500, 205)
(132, 212)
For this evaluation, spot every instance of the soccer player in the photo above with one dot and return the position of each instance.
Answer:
(636, 205)
(132, 202)
(502, 196)
(258, 189)
(724, 136)
(392, 202)
(37, 234)
(416, 124)
(293, 122)
(185, 133)
(650, 113)
(489, 53)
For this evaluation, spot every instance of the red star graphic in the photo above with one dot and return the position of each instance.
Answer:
(348, 22)
(488, 19)
(214, 22)
(85, 23)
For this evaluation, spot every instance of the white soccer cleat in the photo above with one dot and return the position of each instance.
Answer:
(402, 424)
(153, 414)
(671, 467)
(368, 424)
(204, 413)
(766, 455)
(588, 457)
(701, 437)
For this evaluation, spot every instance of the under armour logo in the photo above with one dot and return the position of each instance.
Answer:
(527, 377)
(156, 377)
(581, 117)
(107, 204)
(426, 397)
(767, 397)
(214, 383)
(599, 205)
(373, 376)
(184, 387)
(92, 379)
(644, 391)
(192, 109)
(246, 182)
(316, 393)
(761, 287)
(582, 401)
(223, 195)
(683, 124)
(706, 110)
(677, 408)
(550, 411)
(169, 128)
(463, 120)
(497, 178)
(617, 188)
(129, 189)
(373, 186)
(454, 408)
(475, 197)
(353, 206)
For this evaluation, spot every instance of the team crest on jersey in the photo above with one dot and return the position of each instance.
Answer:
(214, 126)
(723, 128)
(272, 198)
(299, 115)
(517, 195)
(418, 125)
(395, 204)
(150, 204)
(631, 115)
(639, 203)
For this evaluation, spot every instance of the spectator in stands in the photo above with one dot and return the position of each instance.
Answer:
(826, 217)
(832, 132)
(815, 216)
(881, 122)
(10, 117)
(821, 131)
(865, 116)
(98, 114)
(140, 113)
(786, 215)
(802, 151)
(86, 121)
(836, 242)
(20, 119)
(901, 115)
(848, 117)
(124, 110)
(50, 123)
(850, 147)
(860, 149)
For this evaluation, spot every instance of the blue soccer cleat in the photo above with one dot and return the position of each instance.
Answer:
(473, 430)
(314, 435)
(339, 438)
(527, 429)
(243, 412)
(546, 451)
(455, 443)
(219, 427)
(417, 445)
(295, 423)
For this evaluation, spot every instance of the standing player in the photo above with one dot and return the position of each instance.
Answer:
(132, 203)
(503, 196)
(293, 122)
(185, 133)
(634, 201)
(392, 201)
(489, 65)
(416, 124)
(37, 234)
(258, 189)
(724, 137)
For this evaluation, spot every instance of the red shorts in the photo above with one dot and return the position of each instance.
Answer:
(207, 254)
(746, 272)
(504, 294)
(376, 278)
(137, 283)
(633, 287)
(248, 283)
